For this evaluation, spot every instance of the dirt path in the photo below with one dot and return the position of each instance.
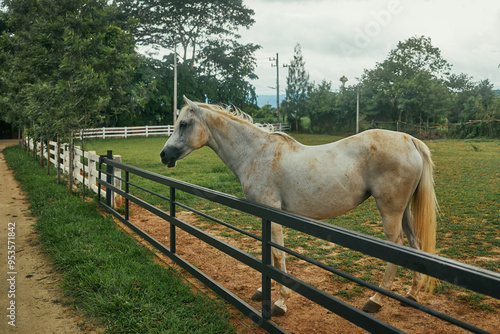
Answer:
(305, 317)
(30, 297)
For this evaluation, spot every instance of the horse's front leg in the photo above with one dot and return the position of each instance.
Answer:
(278, 258)
(278, 261)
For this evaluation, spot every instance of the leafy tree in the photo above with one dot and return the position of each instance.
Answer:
(157, 80)
(67, 64)
(189, 23)
(220, 67)
(471, 100)
(231, 65)
(417, 54)
(321, 108)
(97, 62)
(332, 112)
(409, 85)
(266, 114)
(72, 46)
(29, 58)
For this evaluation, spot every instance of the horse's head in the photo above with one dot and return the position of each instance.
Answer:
(190, 133)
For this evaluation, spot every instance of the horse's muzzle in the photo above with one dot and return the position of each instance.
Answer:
(169, 156)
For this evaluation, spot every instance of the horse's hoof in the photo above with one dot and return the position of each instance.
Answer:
(277, 311)
(371, 307)
(410, 298)
(257, 296)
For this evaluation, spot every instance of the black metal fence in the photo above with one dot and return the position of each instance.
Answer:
(470, 277)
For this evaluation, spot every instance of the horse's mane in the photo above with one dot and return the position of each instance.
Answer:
(232, 111)
(236, 113)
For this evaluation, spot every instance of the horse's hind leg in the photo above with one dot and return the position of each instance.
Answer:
(394, 233)
(414, 243)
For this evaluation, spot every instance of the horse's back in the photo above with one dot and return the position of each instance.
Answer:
(328, 180)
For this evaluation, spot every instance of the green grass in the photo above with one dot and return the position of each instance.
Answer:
(106, 274)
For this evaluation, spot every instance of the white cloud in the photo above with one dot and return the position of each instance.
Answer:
(344, 37)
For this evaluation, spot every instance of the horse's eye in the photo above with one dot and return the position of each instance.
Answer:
(183, 124)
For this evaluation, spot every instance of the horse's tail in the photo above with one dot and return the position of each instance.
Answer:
(424, 208)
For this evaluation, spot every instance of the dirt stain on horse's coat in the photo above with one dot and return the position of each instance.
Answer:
(278, 153)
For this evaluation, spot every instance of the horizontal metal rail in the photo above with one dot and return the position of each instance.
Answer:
(467, 276)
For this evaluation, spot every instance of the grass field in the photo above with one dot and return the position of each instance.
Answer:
(112, 279)
(467, 183)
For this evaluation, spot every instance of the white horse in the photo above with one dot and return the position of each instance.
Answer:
(320, 181)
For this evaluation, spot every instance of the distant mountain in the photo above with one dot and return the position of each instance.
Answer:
(262, 100)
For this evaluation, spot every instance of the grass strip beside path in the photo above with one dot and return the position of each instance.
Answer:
(106, 274)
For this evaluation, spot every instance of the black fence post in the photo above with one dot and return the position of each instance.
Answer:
(126, 198)
(109, 177)
(266, 261)
(99, 179)
(172, 214)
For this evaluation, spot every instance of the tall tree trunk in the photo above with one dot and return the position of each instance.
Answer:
(193, 55)
(41, 151)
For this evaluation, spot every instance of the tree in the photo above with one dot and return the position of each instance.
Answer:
(221, 68)
(471, 100)
(30, 49)
(297, 86)
(409, 85)
(321, 108)
(417, 54)
(97, 63)
(231, 65)
(79, 46)
(68, 64)
(189, 23)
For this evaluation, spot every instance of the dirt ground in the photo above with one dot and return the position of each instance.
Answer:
(303, 316)
(30, 298)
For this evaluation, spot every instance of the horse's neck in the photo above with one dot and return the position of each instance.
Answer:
(236, 142)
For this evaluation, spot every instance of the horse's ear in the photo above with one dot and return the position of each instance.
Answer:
(190, 103)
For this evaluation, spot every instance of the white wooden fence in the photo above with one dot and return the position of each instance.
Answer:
(85, 166)
(144, 131)
(126, 131)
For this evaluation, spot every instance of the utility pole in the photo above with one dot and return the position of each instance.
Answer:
(175, 83)
(277, 86)
(357, 112)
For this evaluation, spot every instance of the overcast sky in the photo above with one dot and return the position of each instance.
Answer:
(344, 37)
